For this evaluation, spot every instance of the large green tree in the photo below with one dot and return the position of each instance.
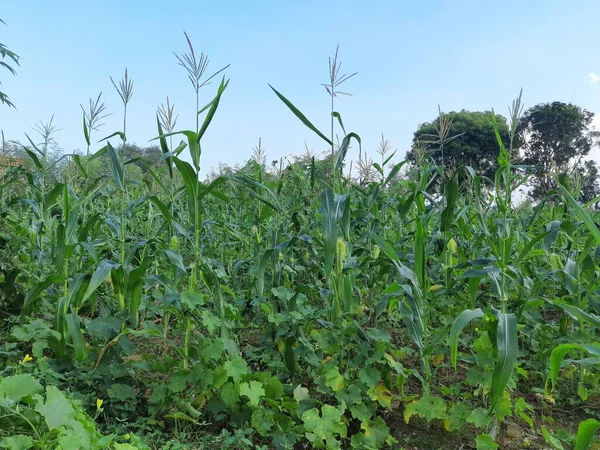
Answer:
(589, 182)
(461, 138)
(555, 138)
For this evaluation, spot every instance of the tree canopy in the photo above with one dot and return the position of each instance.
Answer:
(470, 141)
(555, 137)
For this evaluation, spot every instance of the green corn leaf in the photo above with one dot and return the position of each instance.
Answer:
(100, 274)
(175, 258)
(116, 133)
(289, 357)
(72, 321)
(75, 289)
(389, 158)
(77, 159)
(338, 116)
(162, 208)
(585, 434)
(394, 171)
(35, 147)
(529, 246)
(115, 166)
(213, 109)
(503, 157)
(340, 155)
(59, 248)
(190, 180)
(37, 289)
(52, 195)
(262, 268)
(451, 197)
(459, 324)
(413, 323)
(254, 184)
(34, 158)
(580, 212)
(507, 356)
(164, 147)
(378, 168)
(212, 189)
(301, 116)
(332, 211)
(559, 353)
(385, 246)
(99, 154)
(86, 131)
(155, 176)
(419, 252)
(577, 313)
(135, 281)
(470, 273)
(405, 205)
(193, 146)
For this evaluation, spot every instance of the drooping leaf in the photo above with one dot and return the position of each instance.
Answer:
(559, 352)
(301, 116)
(461, 321)
(100, 274)
(37, 290)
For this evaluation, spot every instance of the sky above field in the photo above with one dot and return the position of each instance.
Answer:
(411, 57)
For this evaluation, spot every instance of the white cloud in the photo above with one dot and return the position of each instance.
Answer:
(594, 78)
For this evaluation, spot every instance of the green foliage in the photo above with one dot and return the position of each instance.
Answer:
(51, 422)
(472, 141)
(585, 433)
(292, 307)
(556, 134)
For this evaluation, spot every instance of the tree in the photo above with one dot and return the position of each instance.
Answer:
(5, 53)
(589, 182)
(555, 138)
(468, 138)
(144, 156)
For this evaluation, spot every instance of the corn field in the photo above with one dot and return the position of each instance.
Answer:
(293, 309)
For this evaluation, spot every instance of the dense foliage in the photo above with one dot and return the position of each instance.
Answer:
(291, 309)
(556, 135)
(469, 140)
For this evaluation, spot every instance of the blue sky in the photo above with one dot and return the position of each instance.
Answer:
(411, 56)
